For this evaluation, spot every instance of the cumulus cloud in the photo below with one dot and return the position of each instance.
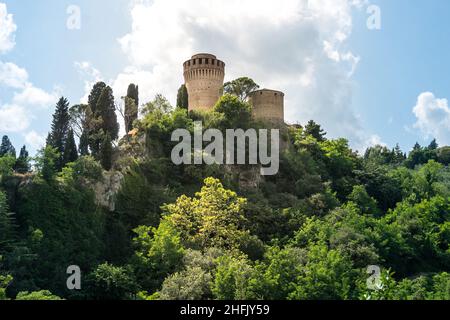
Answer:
(16, 115)
(12, 76)
(13, 118)
(7, 29)
(433, 117)
(32, 96)
(34, 140)
(90, 75)
(297, 46)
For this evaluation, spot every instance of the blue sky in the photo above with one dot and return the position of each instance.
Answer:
(371, 86)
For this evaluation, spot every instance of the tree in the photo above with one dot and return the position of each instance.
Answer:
(213, 218)
(183, 98)
(23, 162)
(237, 114)
(131, 106)
(59, 131)
(106, 151)
(241, 88)
(94, 96)
(159, 253)
(108, 282)
(190, 284)
(131, 113)
(443, 155)
(106, 110)
(313, 129)
(133, 93)
(6, 148)
(7, 227)
(78, 118)
(433, 145)
(70, 148)
(46, 162)
(159, 104)
(83, 148)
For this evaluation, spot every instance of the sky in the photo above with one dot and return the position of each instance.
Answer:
(374, 72)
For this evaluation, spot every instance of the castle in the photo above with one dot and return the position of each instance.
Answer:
(204, 78)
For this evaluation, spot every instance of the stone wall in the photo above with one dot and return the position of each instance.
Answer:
(204, 75)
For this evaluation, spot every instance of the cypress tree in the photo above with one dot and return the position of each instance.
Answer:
(106, 153)
(106, 110)
(131, 113)
(95, 95)
(133, 93)
(183, 97)
(70, 148)
(6, 148)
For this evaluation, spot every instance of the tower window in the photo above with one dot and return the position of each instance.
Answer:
(213, 61)
(200, 61)
(207, 61)
(193, 62)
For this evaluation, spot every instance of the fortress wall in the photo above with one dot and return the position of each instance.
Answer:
(268, 105)
(204, 76)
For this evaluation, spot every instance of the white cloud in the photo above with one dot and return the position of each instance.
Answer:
(433, 117)
(90, 75)
(7, 29)
(13, 118)
(34, 140)
(12, 76)
(32, 96)
(297, 46)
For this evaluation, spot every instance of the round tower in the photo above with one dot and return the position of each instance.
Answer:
(203, 76)
(268, 105)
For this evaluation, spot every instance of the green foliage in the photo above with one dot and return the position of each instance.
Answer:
(314, 130)
(159, 253)
(237, 114)
(241, 88)
(183, 98)
(108, 282)
(231, 280)
(37, 295)
(58, 137)
(47, 163)
(106, 152)
(4, 282)
(213, 218)
(7, 165)
(190, 284)
(6, 148)
(22, 164)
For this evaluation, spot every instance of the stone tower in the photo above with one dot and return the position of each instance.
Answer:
(204, 75)
(268, 105)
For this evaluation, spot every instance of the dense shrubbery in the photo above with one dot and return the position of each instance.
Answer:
(195, 232)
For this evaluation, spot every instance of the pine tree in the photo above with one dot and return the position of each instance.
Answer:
(106, 153)
(433, 145)
(6, 148)
(183, 97)
(23, 161)
(70, 148)
(60, 130)
(314, 129)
